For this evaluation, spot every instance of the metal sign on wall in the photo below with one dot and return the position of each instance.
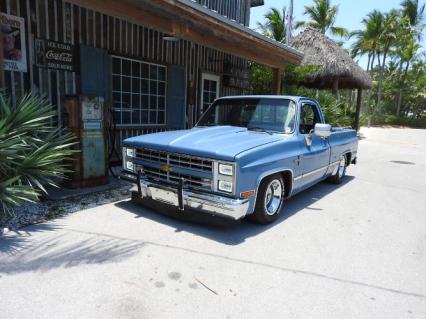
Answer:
(14, 51)
(55, 55)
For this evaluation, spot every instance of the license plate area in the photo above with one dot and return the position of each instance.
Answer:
(165, 196)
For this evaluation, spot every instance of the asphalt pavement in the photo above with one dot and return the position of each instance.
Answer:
(355, 250)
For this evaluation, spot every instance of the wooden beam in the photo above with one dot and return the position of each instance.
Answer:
(358, 109)
(182, 21)
(276, 81)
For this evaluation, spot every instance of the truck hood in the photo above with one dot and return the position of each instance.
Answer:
(217, 142)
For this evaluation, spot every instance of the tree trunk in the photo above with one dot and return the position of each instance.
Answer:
(368, 62)
(398, 98)
(276, 82)
(380, 85)
(398, 107)
(378, 60)
(373, 60)
(358, 109)
(335, 89)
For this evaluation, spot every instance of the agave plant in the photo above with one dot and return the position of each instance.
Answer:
(33, 152)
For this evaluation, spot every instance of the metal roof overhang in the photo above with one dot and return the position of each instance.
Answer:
(188, 20)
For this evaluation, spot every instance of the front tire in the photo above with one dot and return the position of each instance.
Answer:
(270, 199)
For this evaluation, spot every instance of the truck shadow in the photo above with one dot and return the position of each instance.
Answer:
(226, 231)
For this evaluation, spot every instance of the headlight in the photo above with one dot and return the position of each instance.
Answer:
(226, 169)
(225, 186)
(130, 152)
(129, 166)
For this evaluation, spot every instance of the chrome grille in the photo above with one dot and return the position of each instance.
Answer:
(173, 178)
(177, 160)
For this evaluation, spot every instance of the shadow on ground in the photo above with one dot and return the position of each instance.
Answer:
(226, 231)
(62, 250)
(66, 250)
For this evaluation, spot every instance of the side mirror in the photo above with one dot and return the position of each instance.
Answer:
(322, 130)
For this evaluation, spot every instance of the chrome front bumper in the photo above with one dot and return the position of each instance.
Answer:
(204, 203)
(185, 199)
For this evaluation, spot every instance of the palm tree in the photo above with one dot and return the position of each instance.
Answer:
(416, 14)
(406, 50)
(322, 17)
(367, 39)
(275, 26)
(387, 38)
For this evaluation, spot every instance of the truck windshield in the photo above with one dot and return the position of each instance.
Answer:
(261, 114)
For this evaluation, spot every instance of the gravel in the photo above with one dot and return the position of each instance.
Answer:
(33, 213)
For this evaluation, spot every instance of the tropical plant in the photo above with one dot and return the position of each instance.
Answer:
(33, 153)
(415, 12)
(367, 39)
(386, 39)
(322, 17)
(274, 26)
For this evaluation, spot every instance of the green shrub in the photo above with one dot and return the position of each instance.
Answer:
(33, 152)
(380, 119)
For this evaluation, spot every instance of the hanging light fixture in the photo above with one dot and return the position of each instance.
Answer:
(170, 38)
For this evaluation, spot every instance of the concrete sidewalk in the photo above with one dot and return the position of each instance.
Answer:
(357, 250)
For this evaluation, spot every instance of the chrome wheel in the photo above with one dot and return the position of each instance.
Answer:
(342, 166)
(273, 197)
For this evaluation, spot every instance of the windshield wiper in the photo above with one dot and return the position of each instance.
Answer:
(258, 129)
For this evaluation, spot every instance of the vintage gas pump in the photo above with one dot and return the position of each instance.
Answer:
(84, 116)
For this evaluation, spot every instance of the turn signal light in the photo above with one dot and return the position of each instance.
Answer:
(246, 194)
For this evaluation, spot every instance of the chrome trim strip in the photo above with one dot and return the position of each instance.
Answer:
(316, 171)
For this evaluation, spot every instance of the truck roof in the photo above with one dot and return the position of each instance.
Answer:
(289, 97)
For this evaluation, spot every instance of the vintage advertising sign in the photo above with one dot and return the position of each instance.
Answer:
(54, 55)
(14, 49)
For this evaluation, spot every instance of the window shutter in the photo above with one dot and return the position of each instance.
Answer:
(176, 93)
(94, 72)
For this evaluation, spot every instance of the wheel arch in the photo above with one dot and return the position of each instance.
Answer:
(287, 175)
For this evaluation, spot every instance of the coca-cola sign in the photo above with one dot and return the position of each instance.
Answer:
(54, 55)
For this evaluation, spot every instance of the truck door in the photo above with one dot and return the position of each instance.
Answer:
(316, 151)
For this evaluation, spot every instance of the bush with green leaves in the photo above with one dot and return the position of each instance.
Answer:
(34, 153)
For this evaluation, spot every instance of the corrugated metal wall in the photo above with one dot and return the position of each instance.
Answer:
(237, 10)
(66, 22)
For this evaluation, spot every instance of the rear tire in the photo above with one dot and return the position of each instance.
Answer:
(269, 200)
(341, 171)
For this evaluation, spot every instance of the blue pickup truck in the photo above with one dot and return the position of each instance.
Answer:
(245, 156)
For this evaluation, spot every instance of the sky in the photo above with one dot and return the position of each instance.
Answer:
(350, 14)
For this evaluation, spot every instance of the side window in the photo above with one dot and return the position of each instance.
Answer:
(308, 118)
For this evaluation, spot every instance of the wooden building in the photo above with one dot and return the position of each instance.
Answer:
(158, 64)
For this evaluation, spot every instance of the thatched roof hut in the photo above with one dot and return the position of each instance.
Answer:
(337, 69)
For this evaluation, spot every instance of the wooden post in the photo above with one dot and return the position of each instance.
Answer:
(276, 82)
(358, 109)
(336, 88)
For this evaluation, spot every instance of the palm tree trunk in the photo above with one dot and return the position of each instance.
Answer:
(380, 85)
(398, 106)
(399, 96)
(378, 60)
(368, 62)
(373, 60)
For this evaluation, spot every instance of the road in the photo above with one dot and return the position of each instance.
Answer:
(357, 250)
